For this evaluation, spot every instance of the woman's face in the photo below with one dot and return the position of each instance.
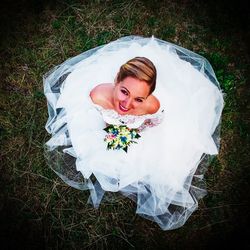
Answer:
(129, 95)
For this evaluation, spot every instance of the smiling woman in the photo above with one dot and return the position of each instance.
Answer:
(106, 100)
(132, 92)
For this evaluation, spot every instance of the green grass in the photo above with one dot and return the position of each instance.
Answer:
(36, 204)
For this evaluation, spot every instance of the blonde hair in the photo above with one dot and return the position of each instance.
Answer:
(140, 68)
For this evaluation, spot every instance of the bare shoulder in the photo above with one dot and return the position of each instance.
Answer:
(100, 93)
(153, 104)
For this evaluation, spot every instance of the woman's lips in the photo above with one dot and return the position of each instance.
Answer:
(123, 109)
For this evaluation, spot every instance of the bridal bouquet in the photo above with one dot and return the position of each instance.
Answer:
(120, 137)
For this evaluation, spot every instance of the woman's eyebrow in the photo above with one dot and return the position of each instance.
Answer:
(129, 93)
(126, 89)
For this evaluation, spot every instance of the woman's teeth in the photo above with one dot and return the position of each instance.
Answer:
(123, 109)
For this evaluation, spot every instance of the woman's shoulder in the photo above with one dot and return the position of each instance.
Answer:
(100, 94)
(152, 105)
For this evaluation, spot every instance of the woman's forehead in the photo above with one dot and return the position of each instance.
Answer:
(135, 86)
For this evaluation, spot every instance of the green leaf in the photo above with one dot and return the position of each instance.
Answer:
(137, 136)
(106, 129)
(125, 149)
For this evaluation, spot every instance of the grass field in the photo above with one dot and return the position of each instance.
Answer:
(39, 211)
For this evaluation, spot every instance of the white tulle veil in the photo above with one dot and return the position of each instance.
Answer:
(173, 209)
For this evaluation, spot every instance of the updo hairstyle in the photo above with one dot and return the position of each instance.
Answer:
(140, 68)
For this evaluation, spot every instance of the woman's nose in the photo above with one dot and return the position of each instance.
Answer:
(127, 103)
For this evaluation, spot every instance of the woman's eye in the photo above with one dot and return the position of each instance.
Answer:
(138, 100)
(124, 92)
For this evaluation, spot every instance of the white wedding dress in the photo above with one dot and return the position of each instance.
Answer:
(164, 170)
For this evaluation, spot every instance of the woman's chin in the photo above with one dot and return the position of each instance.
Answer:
(121, 110)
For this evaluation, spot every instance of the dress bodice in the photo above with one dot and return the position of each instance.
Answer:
(140, 122)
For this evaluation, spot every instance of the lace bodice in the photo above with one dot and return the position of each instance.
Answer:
(132, 121)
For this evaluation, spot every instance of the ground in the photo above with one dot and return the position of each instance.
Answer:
(39, 211)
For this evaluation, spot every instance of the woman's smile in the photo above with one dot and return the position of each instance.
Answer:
(122, 108)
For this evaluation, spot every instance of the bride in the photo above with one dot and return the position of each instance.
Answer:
(159, 102)
(131, 94)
